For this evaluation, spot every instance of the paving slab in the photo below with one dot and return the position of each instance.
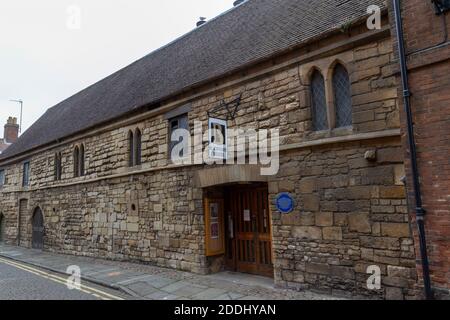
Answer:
(160, 295)
(184, 289)
(160, 282)
(142, 288)
(209, 294)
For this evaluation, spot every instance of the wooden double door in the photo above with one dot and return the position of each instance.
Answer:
(248, 229)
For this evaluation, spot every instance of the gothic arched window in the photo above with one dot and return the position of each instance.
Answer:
(137, 147)
(58, 166)
(342, 97)
(76, 162)
(82, 160)
(130, 149)
(319, 103)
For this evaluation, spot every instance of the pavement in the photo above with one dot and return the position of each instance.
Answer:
(142, 281)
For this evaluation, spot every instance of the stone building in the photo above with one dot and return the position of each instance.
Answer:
(93, 176)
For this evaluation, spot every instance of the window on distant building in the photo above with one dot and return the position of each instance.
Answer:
(180, 122)
(342, 97)
(58, 166)
(130, 148)
(76, 161)
(2, 178)
(26, 174)
(319, 103)
(134, 148)
(137, 147)
(82, 159)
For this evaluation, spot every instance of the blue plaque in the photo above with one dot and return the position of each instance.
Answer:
(285, 203)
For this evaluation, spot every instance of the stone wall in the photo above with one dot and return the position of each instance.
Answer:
(351, 207)
(351, 214)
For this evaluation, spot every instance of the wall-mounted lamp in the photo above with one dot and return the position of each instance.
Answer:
(441, 6)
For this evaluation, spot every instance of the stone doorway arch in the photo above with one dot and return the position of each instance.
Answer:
(229, 174)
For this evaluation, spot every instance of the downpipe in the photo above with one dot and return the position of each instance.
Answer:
(420, 211)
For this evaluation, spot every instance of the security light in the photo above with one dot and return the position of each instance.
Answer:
(441, 6)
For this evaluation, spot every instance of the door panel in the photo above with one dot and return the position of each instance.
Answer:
(2, 228)
(24, 218)
(37, 239)
(214, 225)
(249, 241)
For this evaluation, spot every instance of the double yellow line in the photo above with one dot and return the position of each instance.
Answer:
(83, 288)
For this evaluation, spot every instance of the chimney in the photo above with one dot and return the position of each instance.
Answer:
(201, 21)
(11, 132)
(237, 2)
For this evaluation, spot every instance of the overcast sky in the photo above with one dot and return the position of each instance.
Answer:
(47, 54)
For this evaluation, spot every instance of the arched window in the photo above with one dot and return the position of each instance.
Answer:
(76, 162)
(138, 147)
(342, 97)
(58, 166)
(134, 148)
(319, 103)
(82, 160)
(130, 148)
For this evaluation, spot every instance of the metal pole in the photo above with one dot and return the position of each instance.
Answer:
(21, 113)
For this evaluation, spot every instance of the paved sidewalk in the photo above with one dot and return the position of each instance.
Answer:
(155, 283)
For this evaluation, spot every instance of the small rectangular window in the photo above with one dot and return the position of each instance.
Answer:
(26, 174)
(217, 138)
(58, 166)
(180, 122)
(2, 178)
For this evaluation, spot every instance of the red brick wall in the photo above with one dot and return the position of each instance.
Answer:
(428, 53)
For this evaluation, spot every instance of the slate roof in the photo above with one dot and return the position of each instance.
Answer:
(3, 145)
(251, 32)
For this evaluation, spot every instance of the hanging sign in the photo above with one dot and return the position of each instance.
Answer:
(285, 203)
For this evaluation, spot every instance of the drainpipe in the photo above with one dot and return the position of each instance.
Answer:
(420, 211)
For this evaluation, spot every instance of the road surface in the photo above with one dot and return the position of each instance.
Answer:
(20, 281)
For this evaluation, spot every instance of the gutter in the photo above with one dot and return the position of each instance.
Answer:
(420, 211)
